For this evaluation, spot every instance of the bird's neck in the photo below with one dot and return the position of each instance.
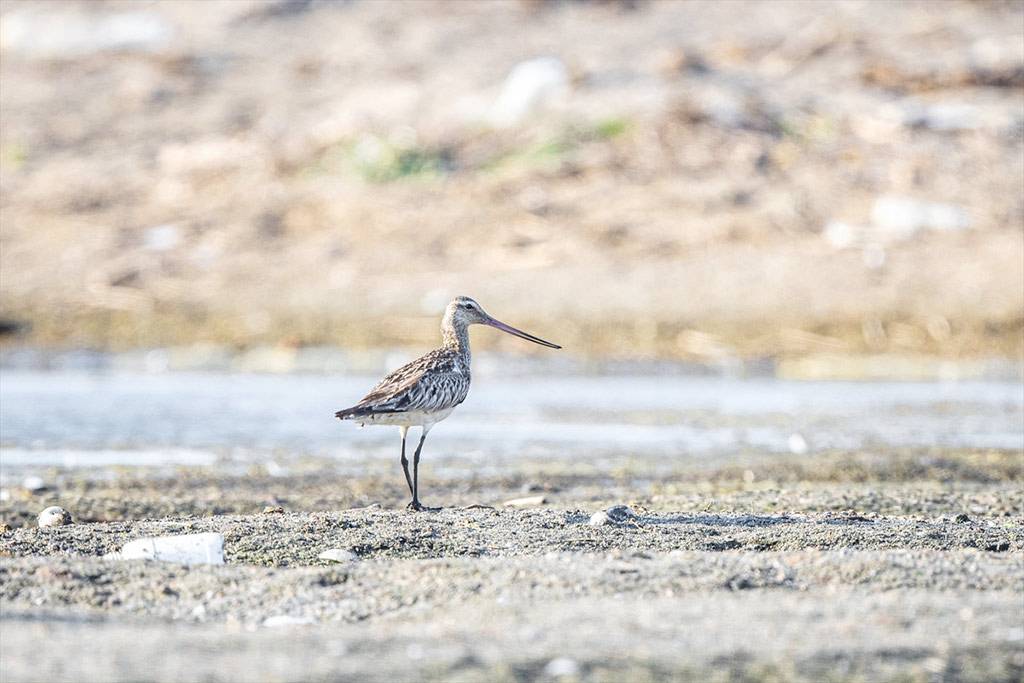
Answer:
(456, 337)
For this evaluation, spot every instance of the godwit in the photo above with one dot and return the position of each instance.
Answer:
(426, 391)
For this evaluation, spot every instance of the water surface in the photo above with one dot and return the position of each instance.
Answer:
(80, 418)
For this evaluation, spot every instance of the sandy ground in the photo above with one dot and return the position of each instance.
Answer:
(899, 566)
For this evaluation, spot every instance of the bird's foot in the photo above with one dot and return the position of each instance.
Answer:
(417, 506)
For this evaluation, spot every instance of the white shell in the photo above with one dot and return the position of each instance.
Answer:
(338, 555)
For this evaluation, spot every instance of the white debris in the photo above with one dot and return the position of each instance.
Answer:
(841, 235)
(38, 33)
(338, 555)
(54, 516)
(531, 85)
(797, 444)
(901, 217)
(528, 501)
(33, 483)
(562, 667)
(186, 549)
(162, 237)
(287, 620)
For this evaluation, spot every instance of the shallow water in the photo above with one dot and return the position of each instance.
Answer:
(78, 418)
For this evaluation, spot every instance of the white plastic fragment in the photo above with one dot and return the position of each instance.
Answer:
(187, 549)
(338, 555)
(54, 516)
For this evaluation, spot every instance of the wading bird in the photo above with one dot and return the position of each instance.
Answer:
(426, 391)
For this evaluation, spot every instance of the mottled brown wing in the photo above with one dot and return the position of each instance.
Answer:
(429, 383)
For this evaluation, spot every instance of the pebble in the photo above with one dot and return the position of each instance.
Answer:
(526, 502)
(338, 555)
(600, 518)
(273, 510)
(54, 516)
(188, 549)
(613, 515)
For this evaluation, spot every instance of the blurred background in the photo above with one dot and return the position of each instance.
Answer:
(279, 185)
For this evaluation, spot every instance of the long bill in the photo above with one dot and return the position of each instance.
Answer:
(519, 333)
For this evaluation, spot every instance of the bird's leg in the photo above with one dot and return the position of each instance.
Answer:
(405, 461)
(415, 504)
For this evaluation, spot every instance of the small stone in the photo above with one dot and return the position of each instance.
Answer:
(961, 518)
(528, 501)
(562, 667)
(600, 518)
(620, 513)
(338, 555)
(273, 510)
(54, 516)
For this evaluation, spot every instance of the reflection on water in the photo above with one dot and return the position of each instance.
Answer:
(78, 418)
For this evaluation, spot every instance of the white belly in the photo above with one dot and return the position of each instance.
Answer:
(413, 418)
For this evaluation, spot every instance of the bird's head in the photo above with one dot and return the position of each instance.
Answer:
(464, 311)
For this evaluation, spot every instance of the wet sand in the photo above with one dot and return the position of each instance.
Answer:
(850, 565)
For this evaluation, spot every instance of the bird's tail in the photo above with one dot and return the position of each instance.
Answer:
(351, 413)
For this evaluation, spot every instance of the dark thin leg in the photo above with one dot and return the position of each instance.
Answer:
(415, 504)
(405, 466)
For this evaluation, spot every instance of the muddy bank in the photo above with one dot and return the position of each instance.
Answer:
(711, 185)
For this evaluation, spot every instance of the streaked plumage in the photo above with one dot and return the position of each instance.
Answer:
(427, 390)
(430, 384)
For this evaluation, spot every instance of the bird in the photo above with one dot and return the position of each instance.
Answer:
(427, 390)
